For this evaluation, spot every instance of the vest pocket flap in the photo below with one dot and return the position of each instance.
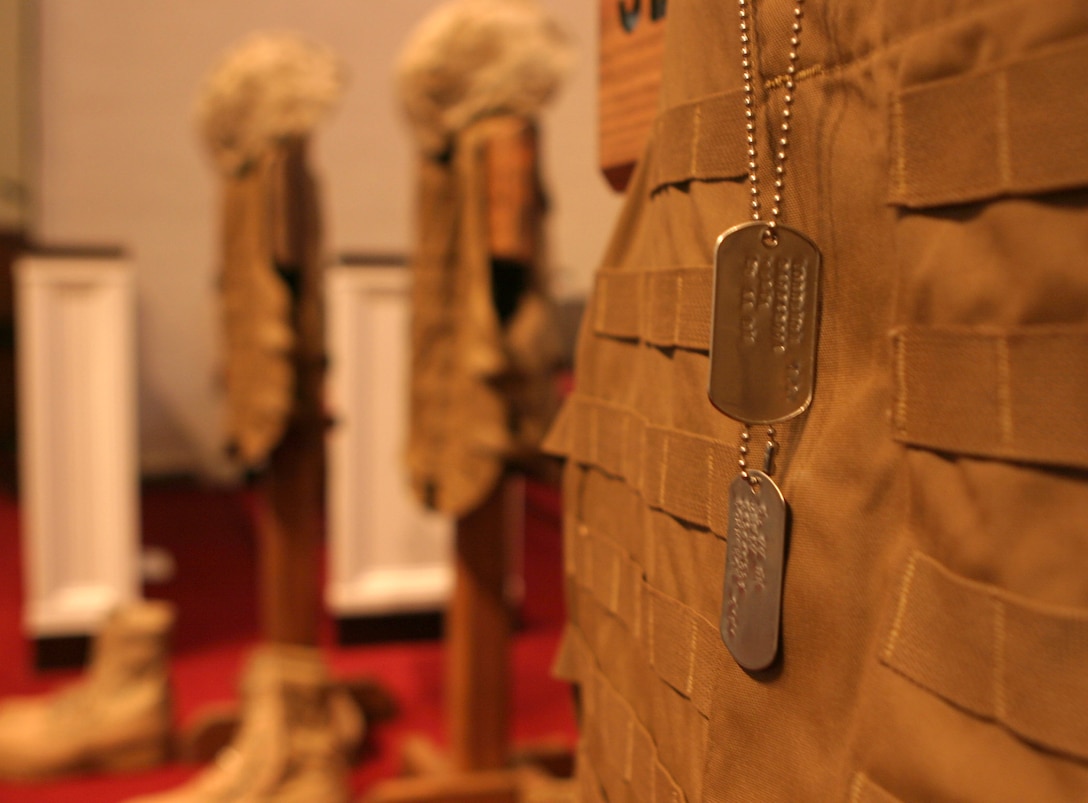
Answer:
(702, 140)
(996, 655)
(1014, 129)
(1014, 394)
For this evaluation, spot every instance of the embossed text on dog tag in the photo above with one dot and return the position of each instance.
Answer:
(754, 569)
(764, 327)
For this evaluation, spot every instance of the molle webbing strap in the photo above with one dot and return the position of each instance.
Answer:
(1013, 129)
(1008, 129)
(1016, 394)
(702, 140)
(682, 647)
(622, 751)
(1002, 657)
(674, 471)
(664, 308)
(613, 578)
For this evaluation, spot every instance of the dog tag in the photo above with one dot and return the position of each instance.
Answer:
(754, 568)
(764, 325)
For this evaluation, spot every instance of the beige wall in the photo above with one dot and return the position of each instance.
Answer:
(120, 165)
(12, 114)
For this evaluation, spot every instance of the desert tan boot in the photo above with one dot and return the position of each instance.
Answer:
(118, 717)
(292, 743)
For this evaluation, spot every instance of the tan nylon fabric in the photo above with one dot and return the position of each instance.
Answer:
(934, 636)
(481, 393)
(988, 403)
(274, 341)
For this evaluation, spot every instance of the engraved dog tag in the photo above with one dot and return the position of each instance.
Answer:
(754, 568)
(764, 326)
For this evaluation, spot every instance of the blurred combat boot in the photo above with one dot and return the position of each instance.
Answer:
(292, 745)
(117, 718)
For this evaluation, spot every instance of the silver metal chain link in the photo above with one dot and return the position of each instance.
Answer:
(746, 42)
(770, 236)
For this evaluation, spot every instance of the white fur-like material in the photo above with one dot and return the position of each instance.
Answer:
(270, 86)
(472, 58)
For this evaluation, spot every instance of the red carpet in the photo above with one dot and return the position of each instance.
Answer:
(210, 535)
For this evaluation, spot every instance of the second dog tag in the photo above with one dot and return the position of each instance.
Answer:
(754, 569)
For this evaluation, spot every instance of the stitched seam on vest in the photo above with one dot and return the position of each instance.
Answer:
(864, 789)
(901, 382)
(589, 569)
(824, 69)
(625, 458)
(1004, 145)
(1000, 697)
(679, 305)
(901, 608)
(594, 436)
(600, 304)
(696, 133)
(709, 496)
(651, 631)
(639, 479)
(664, 471)
(628, 760)
(899, 163)
(1004, 391)
(855, 787)
(801, 75)
(614, 602)
(648, 563)
(689, 684)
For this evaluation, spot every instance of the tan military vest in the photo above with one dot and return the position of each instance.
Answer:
(270, 288)
(482, 389)
(935, 615)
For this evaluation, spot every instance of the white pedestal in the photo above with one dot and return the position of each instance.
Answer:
(387, 554)
(79, 481)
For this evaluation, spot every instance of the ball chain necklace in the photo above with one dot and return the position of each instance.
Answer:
(762, 371)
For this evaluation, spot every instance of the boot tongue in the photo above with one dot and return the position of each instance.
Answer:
(277, 664)
(286, 738)
(299, 677)
(274, 678)
(131, 644)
